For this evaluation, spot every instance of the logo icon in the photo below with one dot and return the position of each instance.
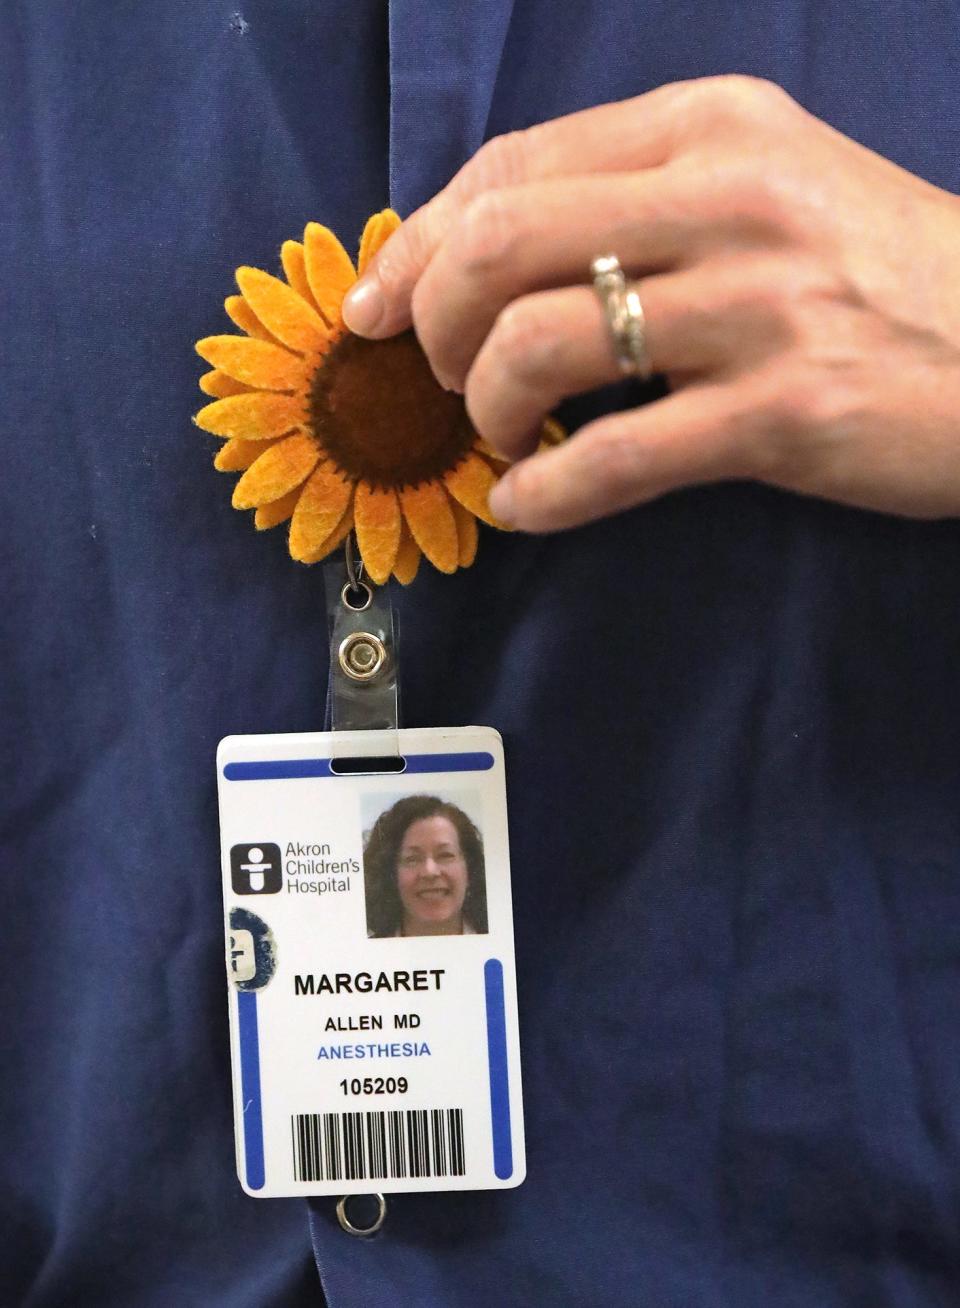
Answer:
(255, 869)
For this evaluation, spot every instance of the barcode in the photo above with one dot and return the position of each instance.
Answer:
(377, 1146)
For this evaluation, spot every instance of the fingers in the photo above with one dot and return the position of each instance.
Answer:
(691, 437)
(633, 135)
(524, 238)
(628, 135)
(545, 347)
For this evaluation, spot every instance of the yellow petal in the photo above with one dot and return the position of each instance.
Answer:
(377, 517)
(377, 231)
(321, 506)
(236, 455)
(552, 432)
(408, 558)
(470, 482)
(295, 270)
(256, 363)
(430, 518)
(467, 534)
(254, 416)
(271, 515)
(220, 385)
(277, 471)
(336, 537)
(240, 313)
(282, 311)
(486, 449)
(496, 461)
(330, 270)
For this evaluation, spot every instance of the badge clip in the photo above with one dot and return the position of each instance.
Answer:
(363, 692)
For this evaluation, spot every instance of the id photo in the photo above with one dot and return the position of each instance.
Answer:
(423, 866)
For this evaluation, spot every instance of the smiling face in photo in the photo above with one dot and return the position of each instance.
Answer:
(431, 877)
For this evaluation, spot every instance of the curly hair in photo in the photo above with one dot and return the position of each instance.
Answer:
(381, 857)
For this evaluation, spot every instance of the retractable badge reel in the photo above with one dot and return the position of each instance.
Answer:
(373, 991)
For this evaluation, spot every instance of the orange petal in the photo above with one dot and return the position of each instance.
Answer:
(330, 270)
(408, 558)
(240, 313)
(256, 363)
(282, 311)
(336, 537)
(271, 515)
(377, 231)
(236, 455)
(430, 518)
(321, 506)
(253, 416)
(295, 270)
(467, 534)
(277, 471)
(470, 482)
(220, 385)
(377, 517)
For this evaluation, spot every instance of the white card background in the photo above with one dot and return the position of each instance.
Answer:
(459, 1124)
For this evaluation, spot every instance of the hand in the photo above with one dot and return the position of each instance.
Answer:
(802, 297)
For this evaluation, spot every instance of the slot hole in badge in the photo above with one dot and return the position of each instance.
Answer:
(368, 765)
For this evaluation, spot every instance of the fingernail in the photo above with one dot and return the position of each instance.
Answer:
(363, 306)
(501, 502)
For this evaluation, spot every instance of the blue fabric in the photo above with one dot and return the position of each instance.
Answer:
(730, 718)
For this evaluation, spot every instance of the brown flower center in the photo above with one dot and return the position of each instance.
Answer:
(381, 416)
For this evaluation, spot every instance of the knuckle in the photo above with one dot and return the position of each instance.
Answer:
(757, 194)
(523, 343)
(743, 95)
(734, 101)
(500, 161)
(805, 418)
(617, 460)
(486, 232)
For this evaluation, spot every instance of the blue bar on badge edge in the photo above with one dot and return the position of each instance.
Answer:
(499, 1079)
(250, 1088)
(290, 768)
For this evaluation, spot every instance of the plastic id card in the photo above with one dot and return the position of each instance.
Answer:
(372, 991)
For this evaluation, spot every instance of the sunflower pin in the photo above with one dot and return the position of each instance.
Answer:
(335, 433)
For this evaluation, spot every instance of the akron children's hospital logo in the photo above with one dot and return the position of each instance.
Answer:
(255, 869)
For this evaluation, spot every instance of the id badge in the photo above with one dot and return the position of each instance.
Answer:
(370, 964)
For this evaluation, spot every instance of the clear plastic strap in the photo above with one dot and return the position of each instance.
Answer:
(362, 694)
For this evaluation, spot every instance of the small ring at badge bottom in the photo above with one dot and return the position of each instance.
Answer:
(374, 1226)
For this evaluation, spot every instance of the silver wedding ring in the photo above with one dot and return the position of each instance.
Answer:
(624, 314)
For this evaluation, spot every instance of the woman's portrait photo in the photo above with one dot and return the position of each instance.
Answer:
(423, 871)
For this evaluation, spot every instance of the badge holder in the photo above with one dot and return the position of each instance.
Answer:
(362, 691)
(372, 986)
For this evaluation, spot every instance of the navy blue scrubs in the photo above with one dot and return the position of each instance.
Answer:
(731, 717)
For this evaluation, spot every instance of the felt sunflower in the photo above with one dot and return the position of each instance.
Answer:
(335, 433)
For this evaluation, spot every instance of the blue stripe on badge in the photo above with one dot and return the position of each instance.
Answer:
(289, 768)
(499, 1077)
(250, 1088)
